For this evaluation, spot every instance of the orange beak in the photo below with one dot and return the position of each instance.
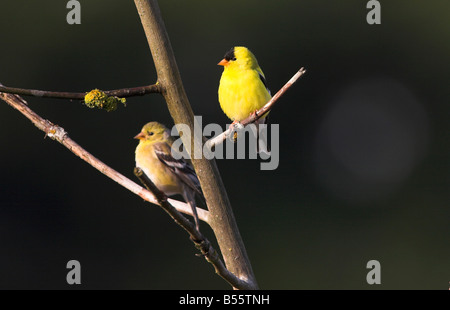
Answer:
(223, 62)
(140, 136)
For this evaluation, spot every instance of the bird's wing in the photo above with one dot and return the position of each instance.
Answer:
(178, 166)
(263, 79)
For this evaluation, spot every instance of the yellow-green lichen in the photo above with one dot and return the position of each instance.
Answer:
(98, 99)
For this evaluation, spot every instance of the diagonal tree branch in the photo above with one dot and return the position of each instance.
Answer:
(57, 133)
(153, 195)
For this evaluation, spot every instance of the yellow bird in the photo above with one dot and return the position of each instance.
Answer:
(171, 176)
(243, 88)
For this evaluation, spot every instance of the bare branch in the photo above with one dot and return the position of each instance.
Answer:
(254, 117)
(123, 92)
(57, 133)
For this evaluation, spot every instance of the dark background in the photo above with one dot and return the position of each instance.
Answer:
(364, 145)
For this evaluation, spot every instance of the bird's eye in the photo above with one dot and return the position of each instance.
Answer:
(234, 58)
(150, 133)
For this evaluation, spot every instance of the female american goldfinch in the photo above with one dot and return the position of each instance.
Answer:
(243, 88)
(171, 176)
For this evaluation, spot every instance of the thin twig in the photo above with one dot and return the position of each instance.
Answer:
(57, 133)
(259, 113)
(200, 241)
(123, 92)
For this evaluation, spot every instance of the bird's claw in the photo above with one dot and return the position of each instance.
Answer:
(235, 127)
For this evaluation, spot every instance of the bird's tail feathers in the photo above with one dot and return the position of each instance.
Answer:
(189, 197)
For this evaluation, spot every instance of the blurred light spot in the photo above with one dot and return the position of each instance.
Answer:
(370, 140)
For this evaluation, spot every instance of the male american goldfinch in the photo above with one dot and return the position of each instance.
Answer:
(171, 176)
(243, 88)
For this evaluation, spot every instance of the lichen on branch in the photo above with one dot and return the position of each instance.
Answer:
(99, 99)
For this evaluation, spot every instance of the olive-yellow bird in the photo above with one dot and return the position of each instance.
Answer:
(171, 176)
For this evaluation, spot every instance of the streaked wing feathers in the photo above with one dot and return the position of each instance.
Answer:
(178, 166)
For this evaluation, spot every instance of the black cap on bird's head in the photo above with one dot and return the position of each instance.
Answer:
(239, 56)
(229, 56)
